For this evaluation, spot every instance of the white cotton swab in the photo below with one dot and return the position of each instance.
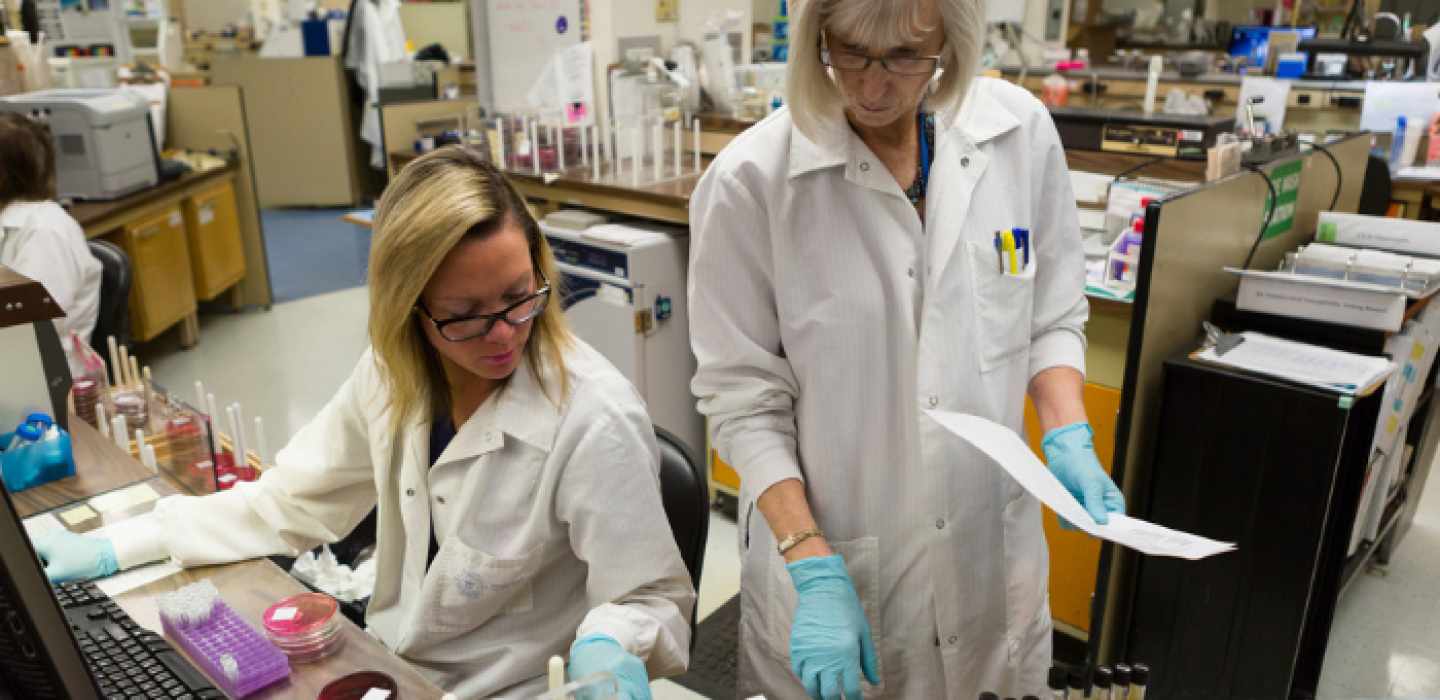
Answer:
(260, 452)
(115, 367)
(199, 396)
(679, 153)
(118, 434)
(100, 422)
(557, 673)
(695, 129)
(657, 135)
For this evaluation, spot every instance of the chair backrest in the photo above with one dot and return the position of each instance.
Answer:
(1375, 192)
(114, 314)
(686, 497)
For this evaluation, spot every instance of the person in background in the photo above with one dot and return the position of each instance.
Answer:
(514, 469)
(846, 276)
(38, 238)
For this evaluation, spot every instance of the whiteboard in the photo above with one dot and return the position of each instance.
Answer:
(1005, 11)
(522, 36)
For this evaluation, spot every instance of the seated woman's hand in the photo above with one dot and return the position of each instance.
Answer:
(69, 556)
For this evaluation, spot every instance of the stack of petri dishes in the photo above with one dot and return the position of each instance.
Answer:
(306, 627)
(87, 397)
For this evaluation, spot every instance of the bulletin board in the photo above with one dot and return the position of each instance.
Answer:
(522, 36)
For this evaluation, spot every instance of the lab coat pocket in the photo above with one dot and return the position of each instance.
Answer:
(1027, 575)
(466, 587)
(1004, 304)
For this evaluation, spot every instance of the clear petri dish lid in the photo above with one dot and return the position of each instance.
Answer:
(301, 614)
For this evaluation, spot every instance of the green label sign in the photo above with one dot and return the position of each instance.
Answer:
(1286, 179)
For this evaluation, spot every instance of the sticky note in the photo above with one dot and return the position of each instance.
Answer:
(124, 498)
(75, 516)
(284, 614)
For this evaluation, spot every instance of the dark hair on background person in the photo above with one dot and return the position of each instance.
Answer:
(27, 160)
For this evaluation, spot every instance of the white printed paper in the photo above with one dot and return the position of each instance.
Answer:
(124, 498)
(1323, 367)
(1127, 197)
(42, 524)
(376, 694)
(284, 614)
(1386, 102)
(130, 579)
(1014, 456)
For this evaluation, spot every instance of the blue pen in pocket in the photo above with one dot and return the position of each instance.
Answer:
(1022, 236)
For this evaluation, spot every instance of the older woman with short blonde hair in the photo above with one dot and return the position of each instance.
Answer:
(902, 238)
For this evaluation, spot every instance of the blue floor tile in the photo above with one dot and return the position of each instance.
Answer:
(311, 251)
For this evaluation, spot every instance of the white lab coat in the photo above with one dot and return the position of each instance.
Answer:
(825, 320)
(376, 37)
(549, 519)
(43, 242)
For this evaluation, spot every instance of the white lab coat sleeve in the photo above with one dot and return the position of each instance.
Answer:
(637, 588)
(1058, 326)
(743, 380)
(321, 487)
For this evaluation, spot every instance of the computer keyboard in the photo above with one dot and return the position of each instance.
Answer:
(128, 661)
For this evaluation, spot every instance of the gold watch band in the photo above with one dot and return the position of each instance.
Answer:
(796, 538)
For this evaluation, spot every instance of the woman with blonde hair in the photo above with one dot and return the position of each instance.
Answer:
(514, 470)
(851, 268)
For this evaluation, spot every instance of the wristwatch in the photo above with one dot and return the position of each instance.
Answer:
(796, 538)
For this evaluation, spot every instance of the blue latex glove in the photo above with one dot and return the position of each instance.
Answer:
(830, 641)
(70, 556)
(594, 653)
(1070, 453)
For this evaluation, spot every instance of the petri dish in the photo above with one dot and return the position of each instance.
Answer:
(301, 615)
(357, 685)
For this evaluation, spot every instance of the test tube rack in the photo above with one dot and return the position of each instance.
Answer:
(257, 664)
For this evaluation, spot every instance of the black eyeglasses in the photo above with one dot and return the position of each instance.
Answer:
(852, 62)
(462, 328)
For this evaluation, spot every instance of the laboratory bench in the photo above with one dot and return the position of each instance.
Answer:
(184, 243)
(248, 587)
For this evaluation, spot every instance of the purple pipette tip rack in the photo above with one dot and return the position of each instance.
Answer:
(236, 657)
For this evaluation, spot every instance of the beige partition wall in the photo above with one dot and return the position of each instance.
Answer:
(299, 115)
(206, 118)
(404, 122)
(1194, 237)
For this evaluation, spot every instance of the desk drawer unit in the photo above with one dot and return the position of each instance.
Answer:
(212, 228)
(162, 291)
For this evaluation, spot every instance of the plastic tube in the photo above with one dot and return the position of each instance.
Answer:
(1152, 83)
(695, 129)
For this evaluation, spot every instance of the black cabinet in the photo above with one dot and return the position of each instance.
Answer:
(1278, 469)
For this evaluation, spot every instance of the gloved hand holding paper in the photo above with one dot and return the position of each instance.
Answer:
(1015, 457)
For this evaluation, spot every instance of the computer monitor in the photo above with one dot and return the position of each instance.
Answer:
(39, 658)
(1254, 42)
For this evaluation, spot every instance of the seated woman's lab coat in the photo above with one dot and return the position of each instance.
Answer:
(43, 242)
(549, 520)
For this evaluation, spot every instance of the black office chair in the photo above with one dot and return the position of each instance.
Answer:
(113, 317)
(1375, 192)
(686, 498)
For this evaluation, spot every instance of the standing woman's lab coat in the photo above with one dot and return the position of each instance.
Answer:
(43, 242)
(825, 321)
(549, 519)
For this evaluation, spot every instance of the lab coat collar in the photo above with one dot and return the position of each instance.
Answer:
(981, 118)
(520, 409)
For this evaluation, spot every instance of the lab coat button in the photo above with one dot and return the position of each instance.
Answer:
(409, 492)
(954, 640)
(865, 167)
(934, 401)
(964, 162)
(910, 271)
(939, 524)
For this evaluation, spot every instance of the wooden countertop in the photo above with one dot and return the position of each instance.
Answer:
(670, 193)
(100, 466)
(723, 122)
(91, 215)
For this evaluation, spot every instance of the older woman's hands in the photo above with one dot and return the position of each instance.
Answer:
(1070, 453)
(830, 642)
